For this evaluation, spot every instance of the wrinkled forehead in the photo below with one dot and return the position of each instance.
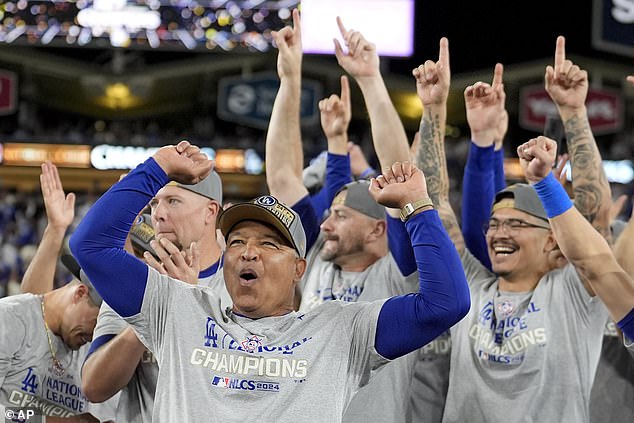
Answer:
(258, 229)
(176, 191)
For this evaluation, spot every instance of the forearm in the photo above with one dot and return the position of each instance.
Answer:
(498, 169)
(399, 245)
(98, 242)
(586, 249)
(624, 248)
(39, 276)
(408, 322)
(590, 185)
(388, 133)
(477, 197)
(110, 368)
(284, 157)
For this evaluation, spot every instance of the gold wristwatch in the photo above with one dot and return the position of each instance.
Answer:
(409, 208)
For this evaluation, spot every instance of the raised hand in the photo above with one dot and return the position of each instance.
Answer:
(181, 265)
(289, 44)
(335, 113)
(630, 79)
(566, 83)
(361, 59)
(184, 163)
(434, 78)
(537, 157)
(399, 184)
(60, 208)
(485, 109)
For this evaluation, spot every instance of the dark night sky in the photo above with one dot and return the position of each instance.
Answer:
(484, 32)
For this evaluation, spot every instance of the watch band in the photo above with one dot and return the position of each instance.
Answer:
(409, 208)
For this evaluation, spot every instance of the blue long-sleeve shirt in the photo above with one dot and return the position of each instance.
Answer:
(311, 208)
(405, 322)
(478, 192)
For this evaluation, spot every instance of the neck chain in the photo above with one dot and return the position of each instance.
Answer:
(58, 369)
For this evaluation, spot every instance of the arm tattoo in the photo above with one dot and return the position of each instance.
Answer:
(589, 182)
(432, 162)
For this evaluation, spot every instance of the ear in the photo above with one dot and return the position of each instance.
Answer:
(300, 268)
(81, 292)
(213, 209)
(551, 242)
(378, 229)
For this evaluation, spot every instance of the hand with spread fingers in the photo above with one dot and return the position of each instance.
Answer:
(181, 265)
(537, 157)
(60, 208)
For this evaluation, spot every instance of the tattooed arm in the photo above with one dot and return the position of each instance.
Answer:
(567, 85)
(432, 84)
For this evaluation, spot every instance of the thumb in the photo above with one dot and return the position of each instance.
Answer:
(70, 201)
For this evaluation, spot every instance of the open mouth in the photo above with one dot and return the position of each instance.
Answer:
(504, 249)
(247, 277)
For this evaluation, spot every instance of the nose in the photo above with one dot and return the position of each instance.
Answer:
(326, 225)
(249, 252)
(158, 212)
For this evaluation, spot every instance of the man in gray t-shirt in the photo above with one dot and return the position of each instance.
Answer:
(260, 359)
(40, 362)
(181, 214)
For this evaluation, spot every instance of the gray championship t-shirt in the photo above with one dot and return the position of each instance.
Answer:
(218, 366)
(386, 397)
(137, 397)
(524, 356)
(27, 379)
(612, 397)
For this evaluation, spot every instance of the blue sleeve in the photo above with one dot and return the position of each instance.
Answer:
(337, 175)
(310, 221)
(477, 197)
(399, 245)
(97, 243)
(408, 322)
(98, 343)
(498, 169)
(626, 325)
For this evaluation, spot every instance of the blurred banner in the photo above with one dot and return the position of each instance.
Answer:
(26, 154)
(8, 92)
(613, 26)
(249, 101)
(605, 109)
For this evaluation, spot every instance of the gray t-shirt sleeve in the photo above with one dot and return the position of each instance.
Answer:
(12, 335)
(149, 323)
(364, 358)
(108, 322)
(629, 344)
(585, 305)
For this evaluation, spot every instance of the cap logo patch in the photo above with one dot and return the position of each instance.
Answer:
(266, 201)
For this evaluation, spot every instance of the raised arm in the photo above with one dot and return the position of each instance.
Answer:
(584, 247)
(485, 114)
(335, 114)
(97, 243)
(408, 322)
(284, 155)
(60, 212)
(361, 61)
(432, 85)
(567, 85)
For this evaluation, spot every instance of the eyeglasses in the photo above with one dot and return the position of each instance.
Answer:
(511, 226)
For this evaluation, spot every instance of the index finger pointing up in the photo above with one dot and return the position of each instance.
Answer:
(443, 52)
(342, 28)
(560, 52)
